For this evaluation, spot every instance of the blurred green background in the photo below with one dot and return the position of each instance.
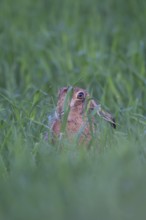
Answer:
(99, 45)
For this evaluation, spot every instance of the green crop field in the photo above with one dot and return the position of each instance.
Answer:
(99, 45)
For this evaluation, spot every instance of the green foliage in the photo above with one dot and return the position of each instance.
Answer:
(98, 45)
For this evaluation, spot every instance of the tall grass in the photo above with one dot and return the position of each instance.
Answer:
(98, 45)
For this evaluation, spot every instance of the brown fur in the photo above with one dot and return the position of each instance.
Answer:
(77, 120)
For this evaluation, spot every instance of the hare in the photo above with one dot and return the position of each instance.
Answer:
(75, 114)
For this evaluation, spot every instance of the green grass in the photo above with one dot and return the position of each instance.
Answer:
(98, 45)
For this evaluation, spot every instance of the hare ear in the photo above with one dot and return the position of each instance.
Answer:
(62, 90)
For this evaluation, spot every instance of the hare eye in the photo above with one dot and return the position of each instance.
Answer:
(80, 95)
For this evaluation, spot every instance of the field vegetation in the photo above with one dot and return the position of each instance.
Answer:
(99, 45)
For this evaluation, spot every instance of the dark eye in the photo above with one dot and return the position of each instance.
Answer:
(80, 95)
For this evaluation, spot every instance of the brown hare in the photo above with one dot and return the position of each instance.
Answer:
(75, 114)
